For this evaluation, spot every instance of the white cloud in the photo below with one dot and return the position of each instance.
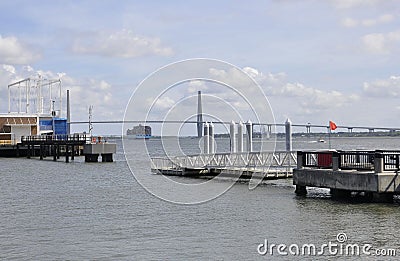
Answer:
(347, 4)
(12, 51)
(84, 92)
(351, 22)
(195, 86)
(251, 72)
(290, 98)
(386, 18)
(314, 99)
(388, 88)
(309, 98)
(235, 78)
(161, 104)
(8, 74)
(9, 68)
(374, 43)
(28, 68)
(379, 43)
(123, 44)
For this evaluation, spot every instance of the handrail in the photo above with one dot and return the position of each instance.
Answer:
(351, 160)
(57, 137)
(250, 161)
(360, 160)
(391, 161)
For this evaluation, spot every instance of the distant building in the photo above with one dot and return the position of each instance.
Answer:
(34, 108)
(140, 132)
(13, 127)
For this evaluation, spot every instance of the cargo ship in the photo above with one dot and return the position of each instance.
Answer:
(140, 132)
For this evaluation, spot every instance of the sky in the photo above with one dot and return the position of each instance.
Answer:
(314, 60)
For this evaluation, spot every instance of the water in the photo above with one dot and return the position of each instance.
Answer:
(75, 211)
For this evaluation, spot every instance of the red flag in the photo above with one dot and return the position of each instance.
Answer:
(332, 125)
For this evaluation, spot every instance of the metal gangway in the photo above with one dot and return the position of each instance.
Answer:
(269, 164)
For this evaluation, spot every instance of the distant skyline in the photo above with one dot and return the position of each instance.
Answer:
(315, 60)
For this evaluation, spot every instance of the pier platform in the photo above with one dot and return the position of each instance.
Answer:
(373, 174)
(16, 150)
(55, 146)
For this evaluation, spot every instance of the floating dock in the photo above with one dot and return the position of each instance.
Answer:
(373, 174)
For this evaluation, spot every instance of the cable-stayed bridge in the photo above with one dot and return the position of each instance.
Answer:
(307, 126)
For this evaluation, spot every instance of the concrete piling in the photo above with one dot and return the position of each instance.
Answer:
(232, 137)
(288, 131)
(249, 136)
(240, 137)
(206, 139)
(211, 144)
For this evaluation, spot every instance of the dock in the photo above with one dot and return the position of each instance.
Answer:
(68, 146)
(242, 165)
(52, 145)
(372, 174)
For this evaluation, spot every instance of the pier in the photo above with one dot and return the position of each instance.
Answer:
(53, 145)
(65, 145)
(373, 174)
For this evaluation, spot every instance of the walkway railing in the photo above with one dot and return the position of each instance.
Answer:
(378, 160)
(55, 138)
(391, 160)
(257, 161)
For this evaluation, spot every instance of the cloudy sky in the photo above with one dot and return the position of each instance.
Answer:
(315, 60)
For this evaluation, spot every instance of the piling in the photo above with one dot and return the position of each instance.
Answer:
(232, 137)
(269, 131)
(211, 138)
(72, 152)
(54, 150)
(199, 115)
(66, 153)
(288, 132)
(249, 136)
(240, 137)
(206, 139)
(68, 115)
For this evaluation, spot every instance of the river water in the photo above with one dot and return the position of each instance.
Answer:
(98, 211)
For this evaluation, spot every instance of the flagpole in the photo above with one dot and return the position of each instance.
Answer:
(329, 137)
(332, 126)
